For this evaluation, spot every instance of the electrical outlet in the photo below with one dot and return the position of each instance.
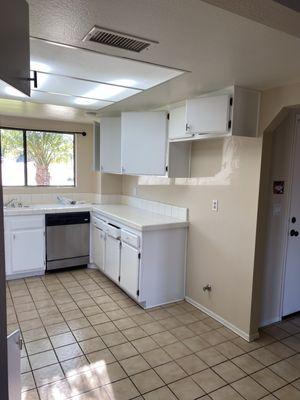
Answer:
(215, 205)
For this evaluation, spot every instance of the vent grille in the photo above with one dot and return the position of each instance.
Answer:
(117, 39)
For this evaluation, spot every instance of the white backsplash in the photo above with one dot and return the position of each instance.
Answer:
(152, 206)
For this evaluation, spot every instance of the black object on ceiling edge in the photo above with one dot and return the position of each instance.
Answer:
(293, 4)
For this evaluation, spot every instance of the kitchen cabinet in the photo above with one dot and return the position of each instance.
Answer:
(110, 145)
(25, 245)
(148, 265)
(97, 246)
(233, 111)
(129, 270)
(144, 143)
(112, 258)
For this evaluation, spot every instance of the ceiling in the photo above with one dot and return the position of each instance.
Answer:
(217, 46)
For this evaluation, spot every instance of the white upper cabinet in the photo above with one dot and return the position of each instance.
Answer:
(110, 145)
(232, 111)
(144, 143)
(208, 114)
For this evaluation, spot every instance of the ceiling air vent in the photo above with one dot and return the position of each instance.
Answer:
(117, 39)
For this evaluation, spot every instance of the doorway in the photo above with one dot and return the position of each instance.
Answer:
(280, 242)
(291, 284)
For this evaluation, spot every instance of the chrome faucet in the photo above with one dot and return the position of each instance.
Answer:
(10, 203)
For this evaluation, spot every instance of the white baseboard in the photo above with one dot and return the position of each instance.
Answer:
(229, 325)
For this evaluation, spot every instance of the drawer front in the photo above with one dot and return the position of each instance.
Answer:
(130, 238)
(97, 222)
(25, 222)
(112, 230)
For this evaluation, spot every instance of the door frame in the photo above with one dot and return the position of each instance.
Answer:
(295, 127)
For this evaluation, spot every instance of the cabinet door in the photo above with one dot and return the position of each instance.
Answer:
(98, 247)
(144, 143)
(129, 271)
(177, 123)
(27, 250)
(112, 258)
(208, 114)
(14, 365)
(110, 145)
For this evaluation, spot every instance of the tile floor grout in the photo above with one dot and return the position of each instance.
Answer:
(90, 276)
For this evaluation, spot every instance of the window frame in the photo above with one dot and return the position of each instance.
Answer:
(24, 130)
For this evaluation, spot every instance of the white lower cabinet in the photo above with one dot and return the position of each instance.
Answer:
(112, 258)
(129, 270)
(98, 247)
(24, 245)
(148, 265)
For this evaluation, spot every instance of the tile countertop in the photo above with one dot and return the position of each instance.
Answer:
(133, 217)
(138, 218)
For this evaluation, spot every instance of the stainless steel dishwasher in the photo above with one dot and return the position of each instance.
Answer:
(67, 240)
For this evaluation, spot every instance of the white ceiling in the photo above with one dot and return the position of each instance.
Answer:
(217, 46)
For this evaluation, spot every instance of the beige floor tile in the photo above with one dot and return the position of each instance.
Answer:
(268, 379)
(46, 375)
(247, 363)
(280, 349)
(85, 333)
(134, 365)
(98, 319)
(164, 338)
(34, 334)
(265, 356)
(41, 360)
(147, 381)
(199, 327)
(293, 342)
(229, 371)
(31, 324)
(62, 339)
(67, 352)
(186, 318)
(156, 357)
(100, 357)
(229, 349)
(50, 392)
(142, 318)
(196, 343)
(287, 393)
(286, 370)
(124, 350)
(191, 364)
(27, 381)
(96, 394)
(177, 350)
(121, 390)
(75, 366)
(163, 393)
(30, 395)
(245, 345)
(108, 373)
(170, 372)
(249, 389)
(105, 328)
(73, 314)
(182, 332)
(114, 339)
(153, 327)
(134, 333)
(211, 356)
(170, 323)
(125, 323)
(78, 323)
(25, 367)
(208, 380)
(295, 360)
(186, 389)
(159, 314)
(145, 344)
(213, 337)
(92, 345)
(57, 329)
(226, 393)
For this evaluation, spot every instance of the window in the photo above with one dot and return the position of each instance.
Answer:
(37, 158)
